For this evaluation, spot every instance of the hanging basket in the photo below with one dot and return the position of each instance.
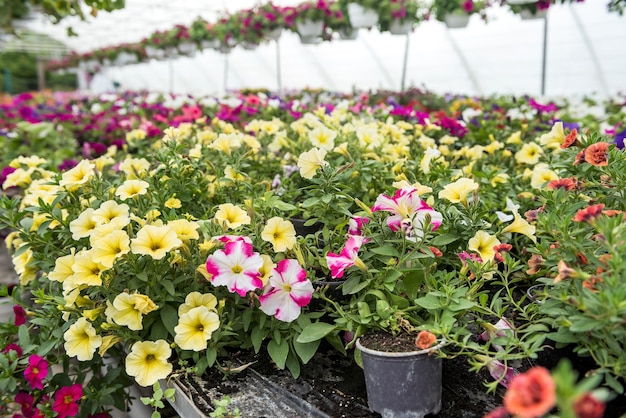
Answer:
(454, 21)
(348, 34)
(310, 40)
(187, 49)
(361, 17)
(274, 34)
(249, 46)
(212, 44)
(403, 384)
(518, 2)
(309, 28)
(528, 15)
(399, 28)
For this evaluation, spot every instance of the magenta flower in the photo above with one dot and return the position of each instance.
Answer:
(349, 255)
(409, 212)
(355, 224)
(468, 6)
(287, 291)
(13, 347)
(236, 267)
(499, 371)
(65, 400)
(464, 256)
(36, 371)
(20, 315)
(27, 404)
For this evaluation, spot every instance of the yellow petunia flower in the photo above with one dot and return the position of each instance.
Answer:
(231, 216)
(81, 340)
(132, 188)
(521, 226)
(310, 161)
(195, 328)
(530, 153)
(84, 225)
(280, 233)
(128, 309)
(155, 241)
(147, 362)
(78, 175)
(195, 299)
(323, 137)
(483, 244)
(110, 247)
(458, 191)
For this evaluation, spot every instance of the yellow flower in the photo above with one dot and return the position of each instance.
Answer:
(86, 271)
(310, 161)
(483, 244)
(84, 225)
(541, 175)
(266, 268)
(195, 327)
(231, 216)
(173, 203)
(231, 174)
(529, 154)
(78, 175)
(458, 191)
(108, 342)
(128, 310)
(521, 226)
(553, 139)
(81, 340)
(111, 212)
(147, 362)
(323, 138)
(280, 233)
(132, 188)
(226, 142)
(195, 299)
(499, 178)
(110, 247)
(134, 167)
(62, 268)
(185, 230)
(429, 154)
(515, 138)
(493, 147)
(155, 241)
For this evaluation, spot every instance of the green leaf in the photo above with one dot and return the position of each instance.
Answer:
(444, 239)
(284, 206)
(315, 332)
(429, 302)
(582, 324)
(22, 334)
(388, 250)
(306, 351)
(257, 337)
(169, 316)
(169, 286)
(412, 281)
(293, 365)
(354, 284)
(278, 352)
(169, 394)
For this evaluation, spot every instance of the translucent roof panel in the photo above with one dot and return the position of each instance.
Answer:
(585, 53)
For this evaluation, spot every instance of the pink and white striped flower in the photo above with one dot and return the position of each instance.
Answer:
(236, 267)
(356, 223)
(408, 210)
(349, 256)
(287, 291)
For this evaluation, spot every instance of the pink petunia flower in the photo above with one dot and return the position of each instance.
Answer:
(356, 223)
(66, 400)
(13, 347)
(27, 404)
(287, 291)
(501, 372)
(36, 371)
(20, 315)
(349, 255)
(408, 212)
(236, 267)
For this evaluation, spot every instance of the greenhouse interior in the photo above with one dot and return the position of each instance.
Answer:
(313, 208)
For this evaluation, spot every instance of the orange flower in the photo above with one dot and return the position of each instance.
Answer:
(436, 252)
(425, 339)
(570, 139)
(580, 158)
(589, 213)
(501, 249)
(569, 183)
(591, 283)
(565, 272)
(534, 263)
(531, 394)
(597, 154)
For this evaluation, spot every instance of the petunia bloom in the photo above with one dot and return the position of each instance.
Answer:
(531, 394)
(501, 372)
(155, 241)
(147, 361)
(425, 339)
(280, 233)
(589, 213)
(231, 216)
(20, 315)
(586, 406)
(287, 291)
(458, 191)
(483, 244)
(236, 267)
(195, 328)
(521, 226)
(81, 340)
(128, 309)
(310, 161)
(348, 257)
(597, 154)
(66, 400)
(36, 371)
(409, 212)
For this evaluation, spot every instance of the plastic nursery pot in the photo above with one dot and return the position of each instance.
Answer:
(403, 385)
(537, 293)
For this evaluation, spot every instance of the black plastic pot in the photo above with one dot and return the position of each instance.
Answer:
(301, 229)
(402, 385)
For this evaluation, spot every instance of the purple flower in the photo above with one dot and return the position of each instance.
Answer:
(619, 139)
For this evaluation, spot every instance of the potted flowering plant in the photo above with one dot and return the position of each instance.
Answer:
(363, 13)
(456, 13)
(400, 16)
(311, 19)
(201, 32)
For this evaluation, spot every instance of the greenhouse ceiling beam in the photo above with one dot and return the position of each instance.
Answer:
(464, 63)
(378, 62)
(592, 53)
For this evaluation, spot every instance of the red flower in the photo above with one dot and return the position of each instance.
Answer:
(425, 339)
(531, 394)
(36, 371)
(13, 347)
(570, 139)
(65, 400)
(597, 154)
(589, 213)
(20, 315)
(586, 406)
(569, 183)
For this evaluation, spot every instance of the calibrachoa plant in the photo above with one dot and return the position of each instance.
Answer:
(175, 245)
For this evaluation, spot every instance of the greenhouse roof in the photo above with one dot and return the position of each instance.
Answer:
(585, 53)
